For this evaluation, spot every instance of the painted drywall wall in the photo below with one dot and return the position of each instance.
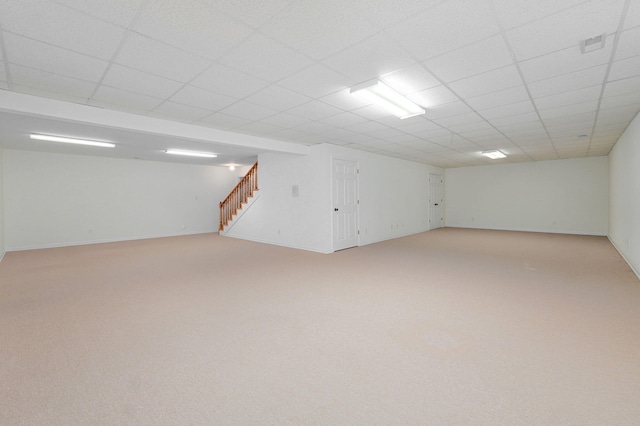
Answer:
(57, 199)
(278, 216)
(624, 195)
(560, 196)
(2, 244)
(393, 197)
(393, 193)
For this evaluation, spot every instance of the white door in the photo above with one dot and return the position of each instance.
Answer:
(345, 204)
(436, 211)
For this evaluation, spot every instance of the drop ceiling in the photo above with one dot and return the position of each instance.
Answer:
(491, 74)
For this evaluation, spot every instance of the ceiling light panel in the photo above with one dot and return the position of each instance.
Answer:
(62, 139)
(191, 153)
(379, 93)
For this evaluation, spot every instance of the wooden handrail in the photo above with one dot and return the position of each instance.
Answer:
(238, 196)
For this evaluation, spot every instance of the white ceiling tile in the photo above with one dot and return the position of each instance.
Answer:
(265, 58)
(289, 135)
(375, 112)
(344, 100)
(614, 115)
(49, 82)
(507, 110)
(315, 110)
(121, 98)
(499, 98)
(464, 127)
(630, 99)
(632, 19)
(445, 27)
(191, 25)
(492, 81)
(260, 128)
(622, 87)
(431, 98)
(384, 13)
(458, 120)
(370, 59)
(566, 29)
(285, 120)
(145, 54)
(179, 112)
(43, 21)
(563, 62)
(227, 81)
(569, 110)
(136, 81)
(420, 126)
(513, 13)
(319, 29)
(316, 81)
(571, 120)
(625, 68)
(344, 119)
(119, 12)
(225, 121)
(46, 93)
(629, 44)
(368, 127)
(277, 97)
(52, 59)
(249, 111)
(411, 79)
(315, 128)
(569, 98)
(447, 110)
(200, 98)
(485, 55)
(253, 13)
(515, 119)
(567, 82)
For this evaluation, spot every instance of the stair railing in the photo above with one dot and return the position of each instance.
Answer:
(238, 196)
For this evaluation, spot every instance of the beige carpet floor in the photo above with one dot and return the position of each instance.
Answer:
(449, 327)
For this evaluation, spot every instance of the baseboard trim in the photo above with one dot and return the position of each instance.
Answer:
(540, 231)
(280, 244)
(635, 271)
(103, 241)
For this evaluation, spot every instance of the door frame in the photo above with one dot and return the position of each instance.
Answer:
(357, 210)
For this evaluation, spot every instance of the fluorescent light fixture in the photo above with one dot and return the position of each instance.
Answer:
(191, 153)
(494, 154)
(379, 93)
(71, 140)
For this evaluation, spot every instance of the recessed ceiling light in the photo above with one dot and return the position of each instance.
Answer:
(494, 154)
(379, 93)
(62, 139)
(191, 153)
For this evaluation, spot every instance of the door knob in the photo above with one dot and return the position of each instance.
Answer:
(335, 209)
(436, 204)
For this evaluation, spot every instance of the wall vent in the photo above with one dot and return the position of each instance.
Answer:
(594, 43)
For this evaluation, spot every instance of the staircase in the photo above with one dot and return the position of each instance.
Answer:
(239, 196)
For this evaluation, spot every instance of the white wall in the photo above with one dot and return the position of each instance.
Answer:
(277, 217)
(2, 244)
(624, 190)
(561, 196)
(55, 199)
(393, 197)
